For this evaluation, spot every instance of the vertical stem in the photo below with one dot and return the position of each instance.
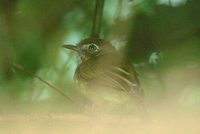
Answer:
(170, 2)
(97, 18)
(119, 10)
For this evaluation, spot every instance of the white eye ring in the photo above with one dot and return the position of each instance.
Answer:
(93, 47)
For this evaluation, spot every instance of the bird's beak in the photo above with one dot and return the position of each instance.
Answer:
(71, 47)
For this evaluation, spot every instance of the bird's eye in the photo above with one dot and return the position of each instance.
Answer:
(93, 48)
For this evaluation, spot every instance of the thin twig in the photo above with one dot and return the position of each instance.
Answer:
(97, 18)
(18, 66)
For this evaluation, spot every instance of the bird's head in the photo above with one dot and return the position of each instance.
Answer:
(91, 48)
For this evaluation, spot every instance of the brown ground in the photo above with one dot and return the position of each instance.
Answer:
(102, 124)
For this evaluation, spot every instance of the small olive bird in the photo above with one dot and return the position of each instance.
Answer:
(104, 76)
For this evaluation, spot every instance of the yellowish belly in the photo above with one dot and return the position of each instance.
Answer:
(100, 95)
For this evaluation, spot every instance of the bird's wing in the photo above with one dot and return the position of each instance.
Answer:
(127, 78)
(119, 76)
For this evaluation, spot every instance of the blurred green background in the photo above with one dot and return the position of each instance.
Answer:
(160, 37)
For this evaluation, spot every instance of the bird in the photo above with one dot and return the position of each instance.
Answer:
(104, 76)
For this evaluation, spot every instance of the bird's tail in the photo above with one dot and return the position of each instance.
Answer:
(142, 108)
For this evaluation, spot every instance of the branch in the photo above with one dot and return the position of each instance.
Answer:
(97, 18)
(18, 66)
(119, 10)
